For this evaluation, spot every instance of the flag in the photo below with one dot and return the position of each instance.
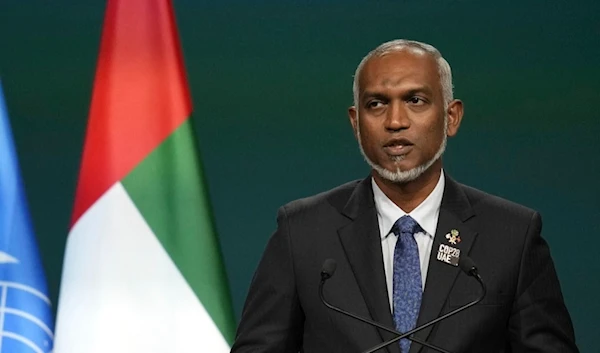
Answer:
(143, 270)
(26, 322)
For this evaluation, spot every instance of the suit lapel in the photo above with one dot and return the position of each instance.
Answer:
(362, 244)
(454, 211)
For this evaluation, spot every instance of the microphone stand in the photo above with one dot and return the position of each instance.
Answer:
(425, 325)
(376, 324)
(466, 264)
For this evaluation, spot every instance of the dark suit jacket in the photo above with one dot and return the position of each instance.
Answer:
(522, 312)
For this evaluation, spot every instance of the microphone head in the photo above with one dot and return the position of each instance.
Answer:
(328, 269)
(467, 265)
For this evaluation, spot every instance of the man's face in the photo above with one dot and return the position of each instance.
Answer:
(400, 118)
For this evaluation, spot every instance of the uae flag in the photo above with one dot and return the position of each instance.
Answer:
(143, 270)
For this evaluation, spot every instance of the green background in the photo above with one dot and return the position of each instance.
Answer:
(271, 81)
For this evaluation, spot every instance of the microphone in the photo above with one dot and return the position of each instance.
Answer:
(466, 264)
(327, 271)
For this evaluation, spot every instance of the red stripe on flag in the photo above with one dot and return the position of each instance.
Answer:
(140, 94)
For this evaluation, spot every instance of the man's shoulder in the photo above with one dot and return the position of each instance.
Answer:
(482, 201)
(335, 198)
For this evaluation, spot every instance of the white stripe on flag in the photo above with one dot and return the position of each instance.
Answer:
(122, 293)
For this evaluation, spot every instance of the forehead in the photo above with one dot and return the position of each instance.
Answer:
(407, 67)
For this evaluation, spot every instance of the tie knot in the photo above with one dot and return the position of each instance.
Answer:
(406, 225)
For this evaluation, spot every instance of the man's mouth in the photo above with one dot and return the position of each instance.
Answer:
(397, 147)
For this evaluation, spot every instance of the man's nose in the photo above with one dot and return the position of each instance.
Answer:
(397, 118)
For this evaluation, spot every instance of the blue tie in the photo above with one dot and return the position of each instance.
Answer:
(407, 277)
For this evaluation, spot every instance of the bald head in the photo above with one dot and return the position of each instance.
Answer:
(444, 71)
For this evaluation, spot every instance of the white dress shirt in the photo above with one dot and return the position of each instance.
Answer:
(426, 214)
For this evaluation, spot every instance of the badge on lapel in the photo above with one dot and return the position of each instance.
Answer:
(447, 253)
(453, 237)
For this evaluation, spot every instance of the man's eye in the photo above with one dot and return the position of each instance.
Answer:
(374, 104)
(416, 100)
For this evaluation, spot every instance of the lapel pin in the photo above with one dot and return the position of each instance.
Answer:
(453, 237)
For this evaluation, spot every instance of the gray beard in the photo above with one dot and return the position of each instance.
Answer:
(404, 176)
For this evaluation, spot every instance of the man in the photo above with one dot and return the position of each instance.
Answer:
(394, 234)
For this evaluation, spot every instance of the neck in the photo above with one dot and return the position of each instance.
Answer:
(409, 195)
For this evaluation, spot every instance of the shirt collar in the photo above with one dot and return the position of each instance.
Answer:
(426, 214)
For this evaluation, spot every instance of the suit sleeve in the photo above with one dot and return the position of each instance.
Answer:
(272, 319)
(539, 321)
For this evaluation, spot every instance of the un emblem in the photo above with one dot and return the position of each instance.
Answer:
(25, 321)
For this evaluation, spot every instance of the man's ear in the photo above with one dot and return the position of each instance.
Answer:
(353, 115)
(455, 113)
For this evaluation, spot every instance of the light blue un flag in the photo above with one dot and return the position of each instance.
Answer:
(26, 324)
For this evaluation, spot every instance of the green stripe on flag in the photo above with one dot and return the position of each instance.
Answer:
(169, 189)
